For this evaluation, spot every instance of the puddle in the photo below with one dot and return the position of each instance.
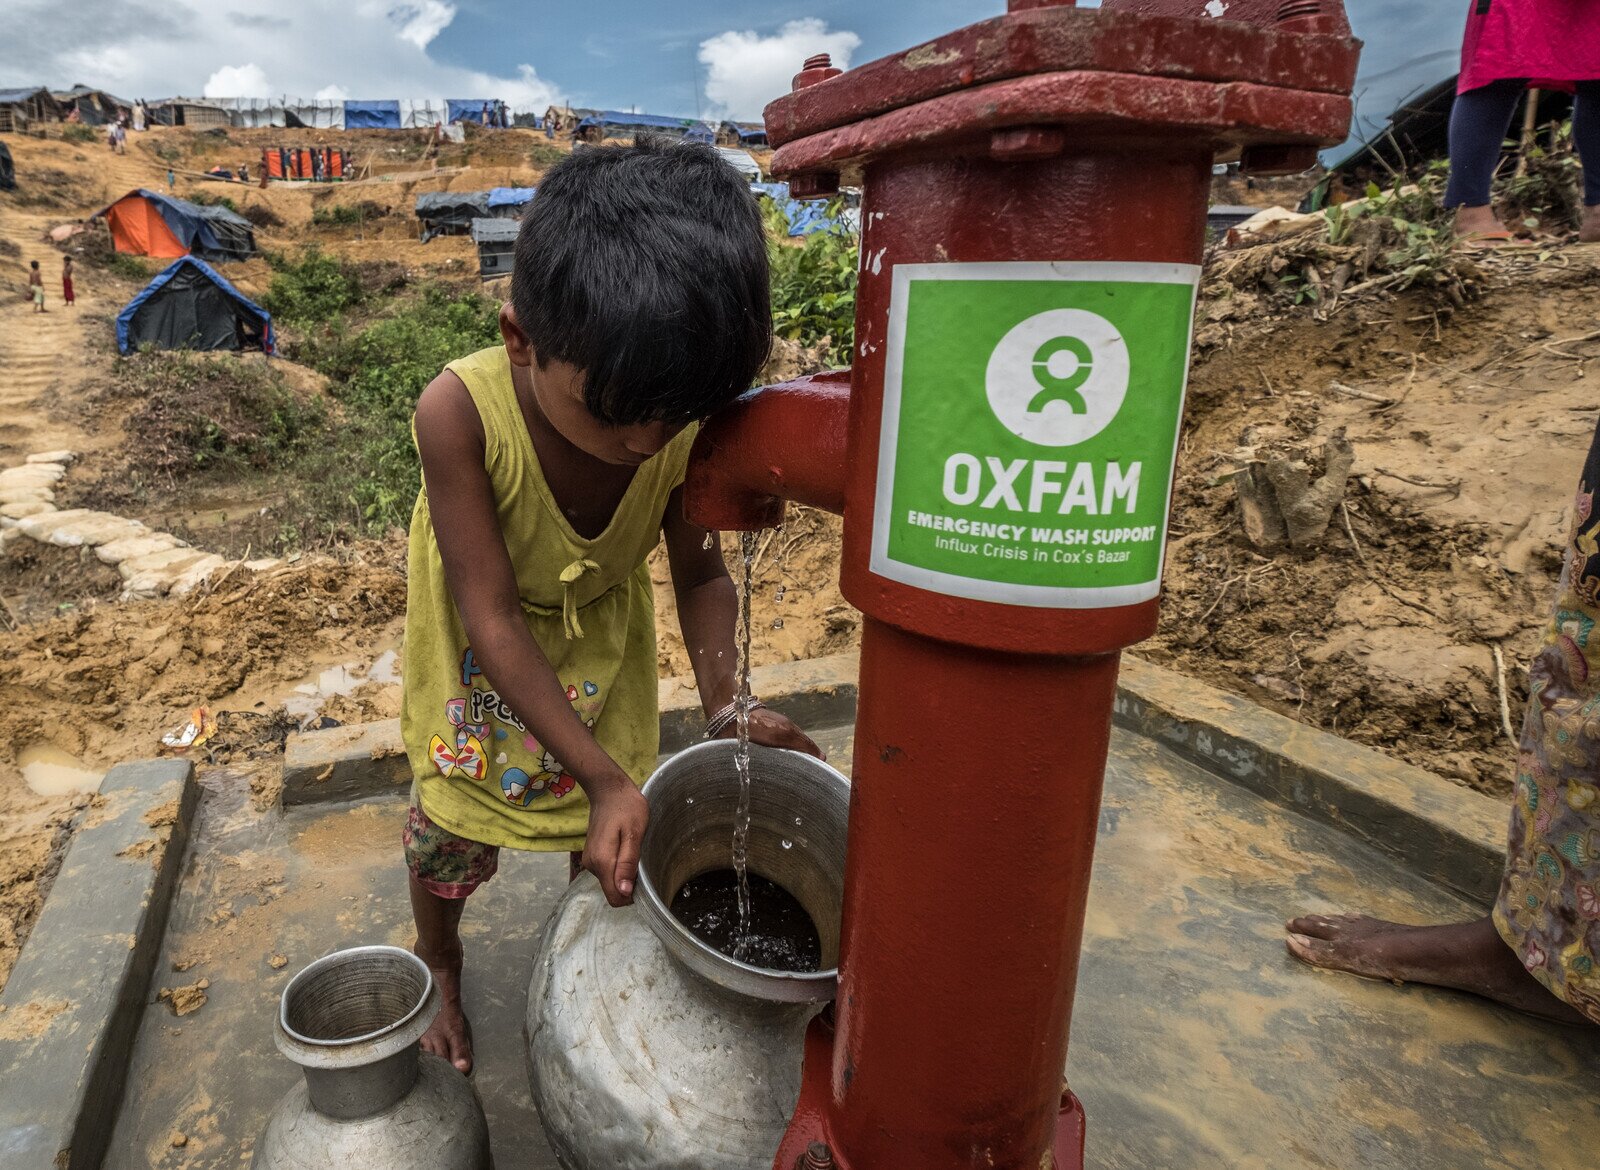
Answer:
(49, 771)
(309, 695)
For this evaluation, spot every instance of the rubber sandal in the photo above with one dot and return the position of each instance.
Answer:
(1491, 241)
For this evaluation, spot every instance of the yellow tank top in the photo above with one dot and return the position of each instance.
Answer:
(480, 772)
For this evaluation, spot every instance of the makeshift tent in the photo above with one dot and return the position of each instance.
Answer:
(742, 134)
(741, 161)
(476, 110)
(497, 241)
(614, 124)
(21, 108)
(450, 213)
(319, 164)
(188, 112)
(8, 172)
(190, 306)
(147, 223)
(510, 197)
(372, 115)
(95, 107)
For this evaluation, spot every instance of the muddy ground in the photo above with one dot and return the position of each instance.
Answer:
(1468, 423)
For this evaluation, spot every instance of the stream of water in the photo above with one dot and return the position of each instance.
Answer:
(741, 755)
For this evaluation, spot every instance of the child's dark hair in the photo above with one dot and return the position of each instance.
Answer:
(646, 267)
(36, 264)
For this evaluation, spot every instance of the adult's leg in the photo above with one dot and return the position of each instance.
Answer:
(1586, 137)
(1478, 125)
(1468, 956)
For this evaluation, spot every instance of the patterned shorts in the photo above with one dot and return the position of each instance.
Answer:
(445, 864)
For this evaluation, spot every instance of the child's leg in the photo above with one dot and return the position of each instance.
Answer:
(444, 870)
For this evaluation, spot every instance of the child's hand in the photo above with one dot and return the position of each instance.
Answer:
(770, 729)
(617, 819)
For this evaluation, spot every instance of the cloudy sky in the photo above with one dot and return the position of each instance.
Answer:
(687, 57)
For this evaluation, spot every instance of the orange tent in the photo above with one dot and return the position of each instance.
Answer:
(137, 227)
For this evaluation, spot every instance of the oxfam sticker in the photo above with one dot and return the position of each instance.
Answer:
(1030, 423)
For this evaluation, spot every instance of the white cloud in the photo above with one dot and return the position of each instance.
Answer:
(331, 93)
(237, 81)
(745, 70)
(226, 48)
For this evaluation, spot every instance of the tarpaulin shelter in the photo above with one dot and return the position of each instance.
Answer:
(372, 115)
(741, 161)
(148, 223)
(283, 112)
(450, 213)
(807, 216)
(8, 172)
(510, 197)
(475, 110)
(565, 119)
(742, 134)
(496, 240)
(95, 107)
(190, 306)
(615, 124)
(315, 164)
(21, 108)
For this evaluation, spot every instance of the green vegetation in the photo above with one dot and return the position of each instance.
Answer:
(76, 132)
(545, 154)
(126, 266)
(314, 290)
(813, 283)
(209, 199)
(344, 215)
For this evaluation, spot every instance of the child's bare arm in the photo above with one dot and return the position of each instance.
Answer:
(708, 609)
(483, 584)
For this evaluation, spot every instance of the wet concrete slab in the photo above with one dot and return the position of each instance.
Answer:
(1197, 1042)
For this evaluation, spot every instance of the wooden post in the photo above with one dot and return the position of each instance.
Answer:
(1530, 121)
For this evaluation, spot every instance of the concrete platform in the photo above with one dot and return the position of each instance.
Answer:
(1198, 1043)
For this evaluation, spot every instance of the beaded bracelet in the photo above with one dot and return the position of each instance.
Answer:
(719, 722)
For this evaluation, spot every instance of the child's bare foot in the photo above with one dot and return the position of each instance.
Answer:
(450, 1034)
(1469, 956)
(1480, 227)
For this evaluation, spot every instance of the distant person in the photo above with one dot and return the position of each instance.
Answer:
(1539, 949)
(120, 138)
(1509, 45)
(244, 172)
(483, 115)
(67, 297)
(36, 287)
(171, 179)
(551, 467)
(111, 137)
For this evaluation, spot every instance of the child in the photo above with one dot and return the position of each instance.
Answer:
(551, 465)
(66, 281)
(36, 283)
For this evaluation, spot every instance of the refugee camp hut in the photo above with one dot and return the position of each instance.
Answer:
(148, 223)
(565, 119)
(8, 172)
(746, 134)
(95, 107)
(27, 106)
(190, 306)
(609, 124)
(195, 112)
(383, 115)
(741, 161)
(496, 240)
(450, 213)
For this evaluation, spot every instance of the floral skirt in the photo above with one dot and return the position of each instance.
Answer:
(1548, 911)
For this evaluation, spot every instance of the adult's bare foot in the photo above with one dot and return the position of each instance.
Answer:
(1589, 230)
(450, 1034)
(1468, 956)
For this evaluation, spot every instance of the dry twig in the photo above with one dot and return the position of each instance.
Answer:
(1354, 392)
(1505, 704)
(1453, 486)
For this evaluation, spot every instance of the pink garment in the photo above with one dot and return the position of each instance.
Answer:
(1552, 42)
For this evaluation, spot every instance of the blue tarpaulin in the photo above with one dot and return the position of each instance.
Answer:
(209, 231)
(372, 115)
(190, 305)
(746, 133)
(804, 216)
(471, 110)
(510, 196)
(617, 124)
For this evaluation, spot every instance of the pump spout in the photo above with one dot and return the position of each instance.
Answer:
(776, 443)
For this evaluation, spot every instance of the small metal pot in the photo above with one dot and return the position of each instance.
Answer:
(353, 1021)
(799, 822)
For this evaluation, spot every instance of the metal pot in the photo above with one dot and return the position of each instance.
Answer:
(371, 1098)
(647, 1048)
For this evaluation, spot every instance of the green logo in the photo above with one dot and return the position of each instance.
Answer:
(1030, 420)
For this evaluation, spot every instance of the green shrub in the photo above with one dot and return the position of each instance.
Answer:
(124, 265)
(545, 154)
(316, 289)
(76, 132)
(344, 215)
(210, 199)
(814, 284)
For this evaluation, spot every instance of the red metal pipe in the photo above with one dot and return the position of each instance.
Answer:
(1045, 170)
(783, 442)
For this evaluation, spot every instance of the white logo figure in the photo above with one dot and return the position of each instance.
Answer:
(1058, 378)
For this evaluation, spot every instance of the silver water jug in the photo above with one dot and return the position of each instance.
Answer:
(371, 1098)
(648, 1048)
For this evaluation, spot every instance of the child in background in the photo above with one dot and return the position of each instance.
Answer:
(552, 465)
(36, 287)
(66, 281)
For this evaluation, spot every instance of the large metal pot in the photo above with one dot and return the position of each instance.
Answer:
(646, 1047)
(371, 1098)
